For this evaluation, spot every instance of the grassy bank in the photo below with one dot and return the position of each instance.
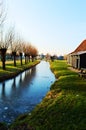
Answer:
(11, 71)
(64, 106)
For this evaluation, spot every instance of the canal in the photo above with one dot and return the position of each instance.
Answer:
(22, 93)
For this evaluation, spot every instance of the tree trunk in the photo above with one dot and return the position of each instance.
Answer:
(14, 55)
(3, 57)
(25, 59)
(29, 58)
(21, 58)
(32, 58)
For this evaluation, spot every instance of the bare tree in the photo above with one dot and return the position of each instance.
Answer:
(3, 42)
(25, 50)
(29, 51)
(20, 52)
(14, 45)
(34, 52)
(47, 56)
(3, 49)
(2, 19)
(29, 47)
(20, 43)
(2, 13)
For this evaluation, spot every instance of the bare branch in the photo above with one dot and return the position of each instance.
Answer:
(2, 13)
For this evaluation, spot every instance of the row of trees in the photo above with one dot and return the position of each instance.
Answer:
(14, 43)
(16, 47)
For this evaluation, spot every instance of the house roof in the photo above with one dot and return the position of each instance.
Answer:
(79, 53)
(81, 47)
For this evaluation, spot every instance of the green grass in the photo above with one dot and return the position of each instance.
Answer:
(11, 70)
(63, 108)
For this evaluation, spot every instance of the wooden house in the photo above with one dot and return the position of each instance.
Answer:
(77, 58)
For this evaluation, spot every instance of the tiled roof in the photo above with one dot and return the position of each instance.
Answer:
(81, 47)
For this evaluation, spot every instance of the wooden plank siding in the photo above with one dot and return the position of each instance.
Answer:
(77, 58)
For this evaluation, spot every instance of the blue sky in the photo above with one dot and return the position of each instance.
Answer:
(53, 26)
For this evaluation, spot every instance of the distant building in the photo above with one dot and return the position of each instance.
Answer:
(60, 57)
(42, 56)
(77, 58)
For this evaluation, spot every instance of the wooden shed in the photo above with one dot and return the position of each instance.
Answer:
(78, 56)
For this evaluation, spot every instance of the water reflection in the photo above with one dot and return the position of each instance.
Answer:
(21, 94)
(17, 84)
(3, 89)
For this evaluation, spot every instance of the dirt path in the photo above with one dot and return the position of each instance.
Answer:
(73, 69)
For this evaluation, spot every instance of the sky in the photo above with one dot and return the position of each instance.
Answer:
(53, 26)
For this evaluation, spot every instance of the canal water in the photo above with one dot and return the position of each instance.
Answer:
(22, 93)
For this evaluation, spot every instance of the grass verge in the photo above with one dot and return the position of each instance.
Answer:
(12, 71)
